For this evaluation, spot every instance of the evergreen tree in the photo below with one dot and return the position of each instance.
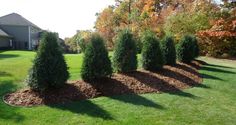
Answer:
(168, 49)
(96, 63)
(49, 67)
(185, 49)
(152, 57)
(196, 47)
(125, 52)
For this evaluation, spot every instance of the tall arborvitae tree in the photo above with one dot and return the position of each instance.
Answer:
(196, 47)
(96, 62)
(49, 67)
(125, 52)
(168, 49)
(152, 57)
(185, 49)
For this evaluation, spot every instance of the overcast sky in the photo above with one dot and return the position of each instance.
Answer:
(62, 16)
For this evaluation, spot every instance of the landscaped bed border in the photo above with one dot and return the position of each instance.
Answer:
(172, 79)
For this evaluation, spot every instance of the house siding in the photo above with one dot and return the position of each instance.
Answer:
(34, 36)
(4, 42)
(20, 33)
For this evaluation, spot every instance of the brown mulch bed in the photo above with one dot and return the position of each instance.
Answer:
(170, 79)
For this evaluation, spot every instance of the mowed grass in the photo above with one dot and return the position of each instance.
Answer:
(214, 103)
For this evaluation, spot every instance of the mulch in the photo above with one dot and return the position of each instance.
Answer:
(170, 79)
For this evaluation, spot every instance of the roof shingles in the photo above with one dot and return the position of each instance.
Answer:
(15, 19)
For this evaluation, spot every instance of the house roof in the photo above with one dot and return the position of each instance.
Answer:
(15, 19)
(2, 33)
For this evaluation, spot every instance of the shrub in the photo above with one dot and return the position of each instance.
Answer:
(168, 49)
(49, 67)
(152, 57)
(96, 63)
(125, 53)
(139, 46)
(195, 46)
(185, 49)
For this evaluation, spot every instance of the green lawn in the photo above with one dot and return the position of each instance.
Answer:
(214, 103)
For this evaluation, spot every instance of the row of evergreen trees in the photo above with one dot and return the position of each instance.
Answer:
(50, 70)
(155, 54)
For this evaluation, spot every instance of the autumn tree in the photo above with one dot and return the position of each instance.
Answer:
(176, 17)
(78, 41)
(137, 15)
(191, 17)
(184, 23)
(220, 39)
(105, 25)
(71, 45)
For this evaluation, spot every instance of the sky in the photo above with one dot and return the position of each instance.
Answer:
(62, 16)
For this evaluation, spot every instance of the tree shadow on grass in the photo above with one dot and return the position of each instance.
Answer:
(196, 64)
(137, 100)
(184, 79)
(188, 68)
(203, 75)
(62, 100)
(214, 65)
(201, 62)
(8, 112)
(207, 76)
(159, 84)
(4, 74)
(85, 107)
(213, 69)
(6, 56)
(112, 88)
(7, 86)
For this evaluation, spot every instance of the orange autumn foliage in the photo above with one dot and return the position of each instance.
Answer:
(220, 39)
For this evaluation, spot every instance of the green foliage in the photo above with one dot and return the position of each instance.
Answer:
(185, 23)
(49, 67)
(82, 44)
(96, 63)
(125, 52)
(139, 46)
(195, 46)
(71, 45)
(222, 83)
(185, 49)
(169, 51)
(232, 47)
(78, 42)
(152, 57)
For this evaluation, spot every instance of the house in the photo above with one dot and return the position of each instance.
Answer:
(16, 32)
(5, 40)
